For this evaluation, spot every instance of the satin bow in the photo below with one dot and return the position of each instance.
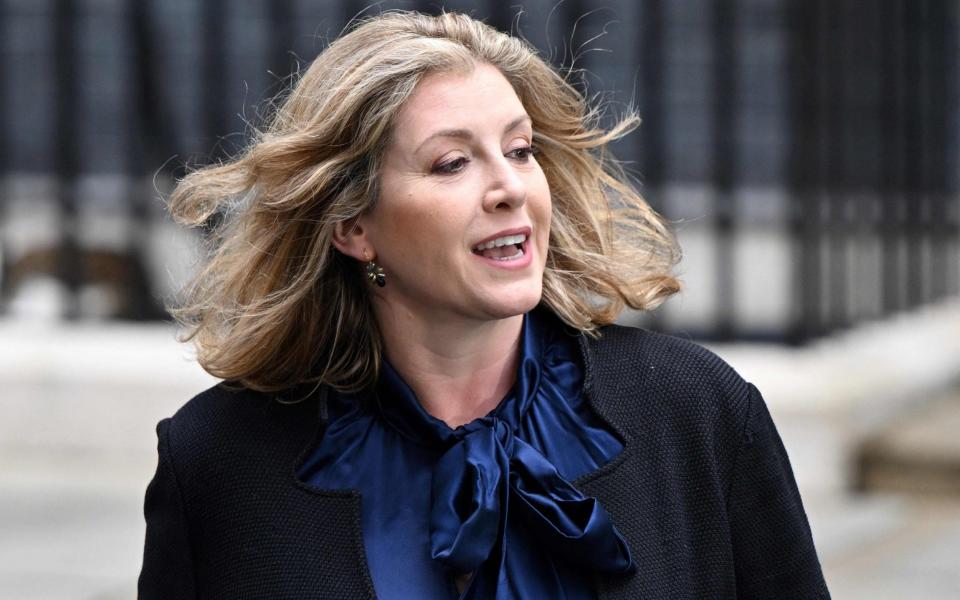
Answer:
(488, 471)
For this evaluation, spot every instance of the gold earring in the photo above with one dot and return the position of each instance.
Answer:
(375, 274)
(374, 271)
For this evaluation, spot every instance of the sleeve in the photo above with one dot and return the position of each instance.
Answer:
(167, 570)
(774, 556)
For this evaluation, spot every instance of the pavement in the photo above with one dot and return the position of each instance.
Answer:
(80, 403)
(77, 449)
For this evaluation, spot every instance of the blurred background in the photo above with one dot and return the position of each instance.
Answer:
(806, 153)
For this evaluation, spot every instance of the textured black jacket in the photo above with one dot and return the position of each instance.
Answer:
(703, 491)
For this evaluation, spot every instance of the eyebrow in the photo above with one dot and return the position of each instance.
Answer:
(466, 134)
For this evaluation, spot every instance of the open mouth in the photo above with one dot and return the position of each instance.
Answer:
(508, 247)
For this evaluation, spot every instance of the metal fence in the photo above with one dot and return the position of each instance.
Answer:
(806, 151)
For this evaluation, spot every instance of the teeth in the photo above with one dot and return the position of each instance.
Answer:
(502, 241)
(514, 257)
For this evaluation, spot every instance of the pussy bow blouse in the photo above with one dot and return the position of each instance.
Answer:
(492, 497)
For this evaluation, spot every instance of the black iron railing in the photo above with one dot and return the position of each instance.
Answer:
(845, 118)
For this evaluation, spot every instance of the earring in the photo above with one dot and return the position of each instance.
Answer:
(375, 272)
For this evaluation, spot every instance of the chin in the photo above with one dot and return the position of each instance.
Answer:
(511, 305)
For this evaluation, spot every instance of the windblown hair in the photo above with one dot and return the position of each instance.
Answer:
(275, 305)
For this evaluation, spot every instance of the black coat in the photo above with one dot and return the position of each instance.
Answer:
(703, 491)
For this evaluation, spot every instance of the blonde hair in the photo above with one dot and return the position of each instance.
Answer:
(275, 305)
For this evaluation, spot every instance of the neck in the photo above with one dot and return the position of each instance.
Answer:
(459, 369)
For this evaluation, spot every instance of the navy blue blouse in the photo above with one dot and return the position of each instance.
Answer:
(491, 497)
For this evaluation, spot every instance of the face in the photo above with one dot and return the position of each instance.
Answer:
(463, 221)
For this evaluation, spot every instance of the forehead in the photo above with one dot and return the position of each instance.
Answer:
(470, 98)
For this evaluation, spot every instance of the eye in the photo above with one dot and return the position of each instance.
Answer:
(451, 166)
(522, 153)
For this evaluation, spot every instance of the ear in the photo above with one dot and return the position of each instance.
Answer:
(351, 238)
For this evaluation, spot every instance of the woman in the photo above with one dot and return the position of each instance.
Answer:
(411, 300)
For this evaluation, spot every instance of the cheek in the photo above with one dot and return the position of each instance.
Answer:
(417, 233)
(543, 208)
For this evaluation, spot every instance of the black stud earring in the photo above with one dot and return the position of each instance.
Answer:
(375, 274)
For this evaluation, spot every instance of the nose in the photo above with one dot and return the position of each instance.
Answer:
(506, 188)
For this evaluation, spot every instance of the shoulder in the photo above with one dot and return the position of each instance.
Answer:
(225, 422)
(636, 374)
(642, 359)
(217, 412)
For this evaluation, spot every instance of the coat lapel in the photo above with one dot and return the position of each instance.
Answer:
(331, 556)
